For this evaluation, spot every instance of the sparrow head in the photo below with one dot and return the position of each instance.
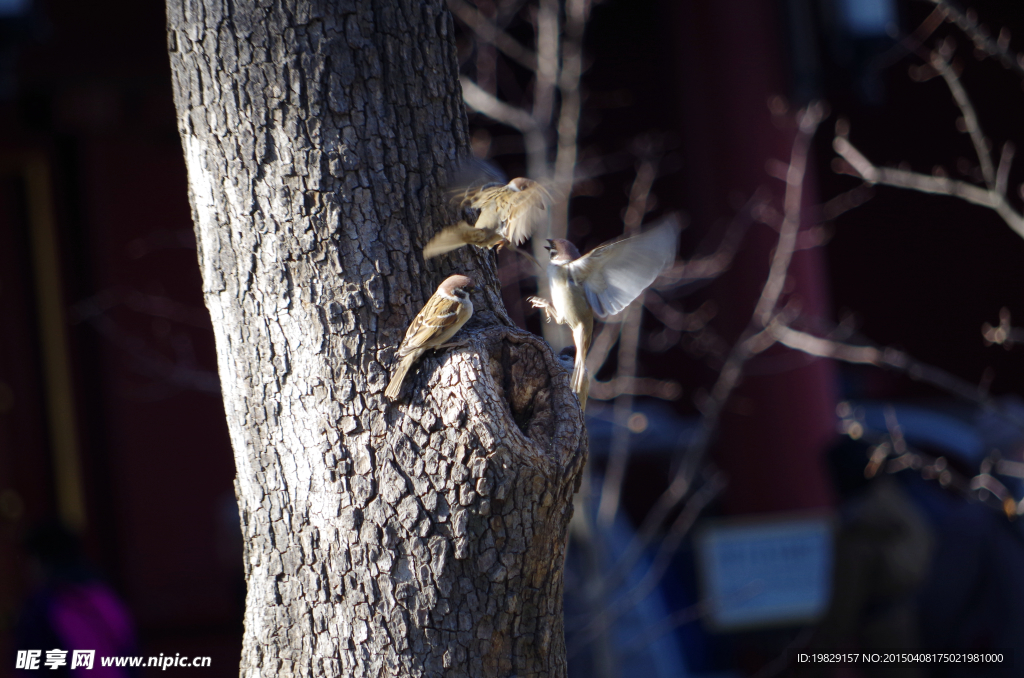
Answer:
(521, 184)
(562, 251)
(456, 285)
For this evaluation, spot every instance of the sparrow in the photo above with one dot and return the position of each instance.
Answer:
(441, 317)
(602, 282)
(509, 214)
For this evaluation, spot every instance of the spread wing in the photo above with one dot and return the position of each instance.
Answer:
(525, 212)
(614, 274)
(483, 195)
(439, 315)
(469, 176)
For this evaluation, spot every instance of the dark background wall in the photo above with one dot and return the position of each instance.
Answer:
(85, 94)
(89, 97)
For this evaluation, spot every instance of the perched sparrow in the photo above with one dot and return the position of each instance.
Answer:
(602, 282)
(509, 213)
(445, 312)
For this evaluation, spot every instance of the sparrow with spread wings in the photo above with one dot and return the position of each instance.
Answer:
(441, 317)
(602, 282)
(508, 214)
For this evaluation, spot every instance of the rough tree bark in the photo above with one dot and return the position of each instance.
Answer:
(419, 539)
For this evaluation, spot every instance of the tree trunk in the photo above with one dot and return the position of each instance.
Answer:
(422, 538)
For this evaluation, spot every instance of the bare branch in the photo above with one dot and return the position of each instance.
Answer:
(635, 386)
(846, 201)
(576, 13)
(486, 103)
(675, 319)
(533, 134)
(924, 183)
(887, 358)
(1014, 469)
(970, 117)
(892, 453)
(809, 121)
(485, 30)
(911, 44)
(1003, 173)
(993, 198)
(547, 61)
(999, 48)
(1004, 334)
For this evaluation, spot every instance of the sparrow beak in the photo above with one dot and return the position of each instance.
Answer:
(550, 246)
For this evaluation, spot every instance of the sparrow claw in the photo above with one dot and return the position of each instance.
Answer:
(538, 302)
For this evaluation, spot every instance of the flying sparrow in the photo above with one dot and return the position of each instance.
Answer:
(509, 213)
(602, 282)
(445, 312)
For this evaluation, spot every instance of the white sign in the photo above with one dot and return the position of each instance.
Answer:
(765, 572)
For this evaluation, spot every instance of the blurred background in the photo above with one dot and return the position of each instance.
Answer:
(724, 527)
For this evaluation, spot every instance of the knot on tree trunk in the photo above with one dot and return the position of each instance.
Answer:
(515, 375)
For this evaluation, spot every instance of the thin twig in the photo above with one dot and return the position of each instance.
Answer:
(1003, 173)
(846, 201)
(892, 453)
(971, 125)
(999, 48)
(791, 225)
(886, 358)
(1004, 334)
(484, 29)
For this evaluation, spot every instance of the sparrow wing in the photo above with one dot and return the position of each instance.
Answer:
(524, 212)
(437, 316)
(479, 197)
(474, 171)
(614, 274)
(469, 176)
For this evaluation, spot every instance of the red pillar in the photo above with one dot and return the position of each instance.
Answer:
(780, 419)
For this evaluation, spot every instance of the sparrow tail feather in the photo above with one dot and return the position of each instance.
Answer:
(394, 388)
(580, 385)
(450, 238)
